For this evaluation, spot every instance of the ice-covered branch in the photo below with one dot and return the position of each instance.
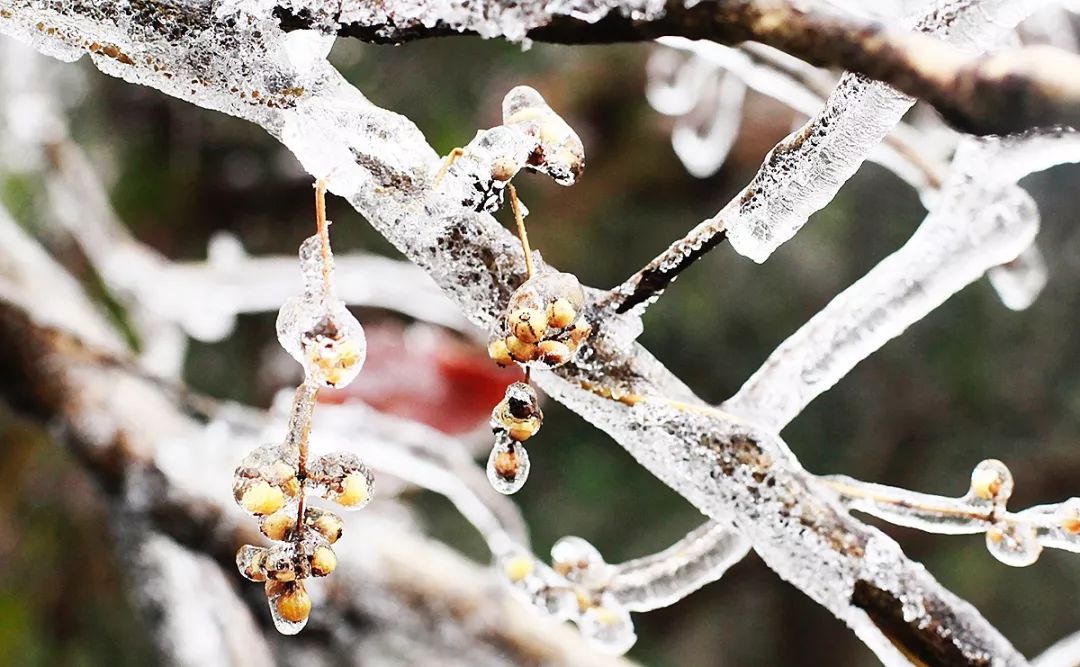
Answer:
(732, 471)
(1064, 653)
(598, 596)
(1009, 92)
(1014, 538)
(982, 221)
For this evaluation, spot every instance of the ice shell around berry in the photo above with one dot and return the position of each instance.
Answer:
(324, 337)
(341, 478)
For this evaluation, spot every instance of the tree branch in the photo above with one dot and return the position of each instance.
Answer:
(1008, 92)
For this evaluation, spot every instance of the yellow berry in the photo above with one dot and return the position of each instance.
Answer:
(561, 313)
(519, 567)
(329, 526)
(354, 490)
(520, 350)
(553, 352)
(277, 526)
(261, 498)
(498, 352)
(986, 483)
(1071, 525)
(503, 170)
(528, 324)
(524, 431)
(294, 604)
(323, 561)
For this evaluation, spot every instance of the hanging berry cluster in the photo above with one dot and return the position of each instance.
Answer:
(543, 325)
(273, 481)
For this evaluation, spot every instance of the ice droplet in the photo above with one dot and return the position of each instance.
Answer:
(508, 465)
(290, 605)
(324, 337)
(559, 152)
(607, 625)
(1013, 543)
(580, 562)
(250, 561)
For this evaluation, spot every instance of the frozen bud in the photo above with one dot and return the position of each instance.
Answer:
(290, 605)
(490, 160)
(579, 562)
(1013, 543)
(325, 338)
(518, 414)
(499, 352)
(559, 152)
(518, 567)
(537, 585)
(266, 481)
(528, 324)
(260, 498)
(508, 465)
(607, 626)
(324, 522)
(1069, 516)
(323, 561)
(581, 331)
(991, 482)
(250, 560)
(519, 350)
(342, 478)
(561, 313)
(283, 563)
(278, 526)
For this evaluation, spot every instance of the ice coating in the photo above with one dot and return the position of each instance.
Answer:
(508, 465)
(266, 479)
(478, 178)
(518, 414)
(702, 138)
(974, 228)
(804, 172)
(607, 625)
(663, 578)
(1019, 282)
(342, 478)
(558, 150)
(317, 329)
(580, 563)
(290, 605)
(673, 81)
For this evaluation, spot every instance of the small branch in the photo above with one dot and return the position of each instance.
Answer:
(1008, 92)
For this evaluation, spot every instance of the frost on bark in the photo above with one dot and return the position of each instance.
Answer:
(729, 462)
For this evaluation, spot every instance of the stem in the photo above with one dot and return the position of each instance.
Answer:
(448, 161)
(522, 234)
(299, 429)
(324, 234)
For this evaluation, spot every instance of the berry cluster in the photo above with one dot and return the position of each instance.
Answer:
(577, 587)
(543, 322)
(272, 482)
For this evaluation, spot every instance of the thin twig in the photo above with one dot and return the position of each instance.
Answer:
(522, 234)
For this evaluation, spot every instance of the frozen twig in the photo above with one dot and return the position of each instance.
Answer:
(1064, 653)
(1014, 538)
(1009, 92)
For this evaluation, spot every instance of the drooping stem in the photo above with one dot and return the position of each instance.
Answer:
(323, 228)
(299, 430)
(522, 234)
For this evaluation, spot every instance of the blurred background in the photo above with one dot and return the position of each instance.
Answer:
(971, 381)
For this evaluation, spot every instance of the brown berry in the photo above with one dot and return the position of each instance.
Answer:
(498, 352)
(520, 350)
(553, 352)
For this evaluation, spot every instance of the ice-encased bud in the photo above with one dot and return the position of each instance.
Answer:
(324, 522)
(518, 413)
(580, 563)
(991, 483)
(543, 322)
(324, 337)
(559, 152)
(250, 560)
(265, 481)
(278, 526)
(607, 625)
(341, 478)
(538, 586)
(320, 559)
(290, 605)
(486, 164)
(508, 465)
(1014, 543)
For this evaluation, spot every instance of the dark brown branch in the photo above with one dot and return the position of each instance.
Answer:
(1009, 92)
